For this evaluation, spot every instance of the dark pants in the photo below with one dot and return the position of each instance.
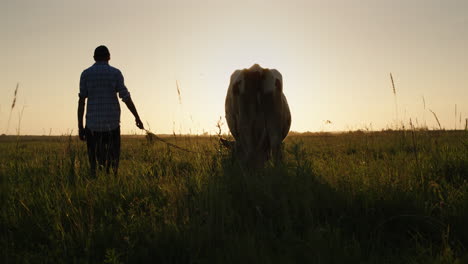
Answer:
(105, 148)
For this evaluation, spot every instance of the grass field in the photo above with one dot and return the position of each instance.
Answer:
(376, 197)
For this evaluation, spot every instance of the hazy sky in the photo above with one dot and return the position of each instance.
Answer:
(335, 58)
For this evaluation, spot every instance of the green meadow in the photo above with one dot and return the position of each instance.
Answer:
(357, 197)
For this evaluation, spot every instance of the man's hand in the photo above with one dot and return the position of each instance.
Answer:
(82, 134)
(139, 124)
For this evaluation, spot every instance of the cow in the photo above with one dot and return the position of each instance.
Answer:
(257, 114)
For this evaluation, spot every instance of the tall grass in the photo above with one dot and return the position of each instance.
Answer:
(436, 118)
(348, 198)
(395, 98)
(424, 113)
(178, 92)
(361, 197)
(13, 104)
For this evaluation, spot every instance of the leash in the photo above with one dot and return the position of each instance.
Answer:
(173, 145)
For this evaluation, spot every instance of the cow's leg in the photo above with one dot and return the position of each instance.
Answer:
(277, 153)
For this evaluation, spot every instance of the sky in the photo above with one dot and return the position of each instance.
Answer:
(335, 57)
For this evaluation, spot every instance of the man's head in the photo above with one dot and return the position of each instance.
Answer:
(101, 53)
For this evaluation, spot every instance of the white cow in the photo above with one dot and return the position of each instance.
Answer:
(257, 113)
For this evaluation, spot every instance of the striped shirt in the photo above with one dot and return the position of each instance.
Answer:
(100, 83)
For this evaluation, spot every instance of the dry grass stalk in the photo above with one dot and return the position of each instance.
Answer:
(436, 118)
(460, 121)
(455, 116)
(14, 97)
(395, 97)
(393, 84)
(178, 92)
(424, 113)
(12, 107)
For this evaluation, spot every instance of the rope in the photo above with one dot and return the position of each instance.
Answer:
(174, 145)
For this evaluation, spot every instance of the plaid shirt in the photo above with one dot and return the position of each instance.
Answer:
(100, 83)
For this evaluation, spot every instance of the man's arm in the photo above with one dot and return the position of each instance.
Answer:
(125, 95)
(81, 107)
(132, 108)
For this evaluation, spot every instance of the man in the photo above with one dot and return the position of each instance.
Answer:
(100, 83)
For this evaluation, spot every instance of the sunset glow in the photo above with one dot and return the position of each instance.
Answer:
(335, 58)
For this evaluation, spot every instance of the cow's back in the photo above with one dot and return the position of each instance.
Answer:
(257, 112)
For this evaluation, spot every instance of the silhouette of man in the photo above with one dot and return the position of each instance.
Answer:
(100, 83)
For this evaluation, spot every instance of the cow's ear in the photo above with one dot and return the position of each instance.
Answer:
(278, 86)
